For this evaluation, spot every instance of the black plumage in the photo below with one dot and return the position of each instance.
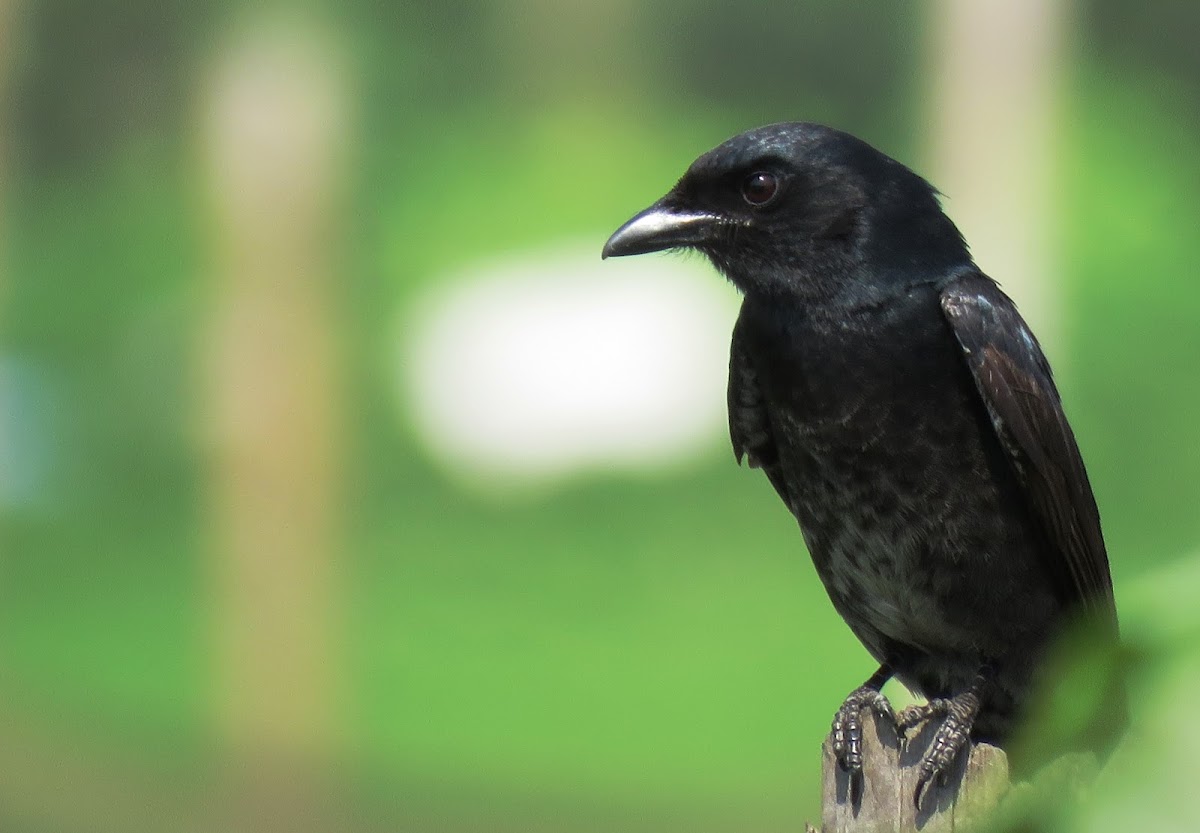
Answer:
(906, 416)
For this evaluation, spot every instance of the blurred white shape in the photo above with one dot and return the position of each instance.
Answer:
(554, 362)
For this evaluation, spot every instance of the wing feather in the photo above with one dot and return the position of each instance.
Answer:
(1017, 387)
(749, 423)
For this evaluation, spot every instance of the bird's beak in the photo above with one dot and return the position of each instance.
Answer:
(660, 227)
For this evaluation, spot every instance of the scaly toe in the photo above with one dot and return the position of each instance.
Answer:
(846, 736)
(951, 738)
(915, 715)
(847, 731)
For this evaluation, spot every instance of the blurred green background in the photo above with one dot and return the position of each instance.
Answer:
(240, 585)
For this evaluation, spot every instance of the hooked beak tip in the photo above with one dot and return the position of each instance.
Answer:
(658, 228)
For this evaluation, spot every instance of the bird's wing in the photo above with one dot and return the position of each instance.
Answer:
(749, 422)
(1017, 388)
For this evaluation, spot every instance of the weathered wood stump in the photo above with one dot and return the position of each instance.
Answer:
(970, 795)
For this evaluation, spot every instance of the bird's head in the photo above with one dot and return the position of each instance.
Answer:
(800, 209)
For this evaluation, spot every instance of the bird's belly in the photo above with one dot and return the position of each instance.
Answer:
(875, 582)
(914, 539)
(875, 568)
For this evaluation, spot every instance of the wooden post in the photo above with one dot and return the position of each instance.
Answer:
(972, 792)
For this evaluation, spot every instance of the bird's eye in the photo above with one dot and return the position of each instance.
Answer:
(760, 188)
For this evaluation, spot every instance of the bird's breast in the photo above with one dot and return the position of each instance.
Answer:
(882, 442)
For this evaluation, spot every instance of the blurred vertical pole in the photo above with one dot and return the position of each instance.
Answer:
(275, 134)
(998, 71)
(8, 16)
(7, 20)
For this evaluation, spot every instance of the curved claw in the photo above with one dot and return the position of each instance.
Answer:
(925, 784)
(951, 738)
(856, 784)
(919, 794)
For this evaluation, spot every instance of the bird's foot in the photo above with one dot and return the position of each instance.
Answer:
(846, 735)
(958, 716)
